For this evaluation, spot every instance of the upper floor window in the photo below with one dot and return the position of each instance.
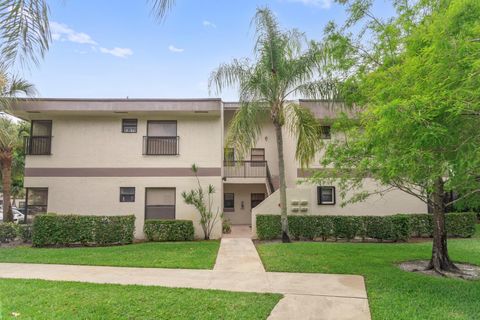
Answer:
(127, 194)
(40, 140)
(257, 156)
(161, 138)
(325, 132)
(129, 125)
(326, 195)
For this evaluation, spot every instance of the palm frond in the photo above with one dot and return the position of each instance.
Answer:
(229, 75)
(246, 126)
(11, 87)
(160, 8)
(25, 32)
(302, 124)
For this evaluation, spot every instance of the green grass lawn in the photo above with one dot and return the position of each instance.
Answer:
(392, 293)
(188, 255)
(39, 299)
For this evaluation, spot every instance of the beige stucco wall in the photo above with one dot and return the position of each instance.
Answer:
(242, 194)
(390, 203)
(93, 141)
(97, 141)
(101, 196)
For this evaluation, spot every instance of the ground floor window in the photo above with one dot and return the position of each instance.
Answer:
(36, 203)
(228, 202)
(159, 203)
(127, 194)
(326, 195)
(256, 199)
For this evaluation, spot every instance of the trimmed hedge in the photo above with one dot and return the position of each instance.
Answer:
(400, 227)
(169, 230)
(63, 230)
(25, 232)
(8, 231)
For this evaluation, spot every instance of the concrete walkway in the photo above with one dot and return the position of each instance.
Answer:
(238, 268)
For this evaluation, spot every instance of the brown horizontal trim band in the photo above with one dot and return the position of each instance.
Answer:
(121, 172)
(121, 99)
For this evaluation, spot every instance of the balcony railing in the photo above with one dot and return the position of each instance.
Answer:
(153, 145)
(38, 145)
(245, 169)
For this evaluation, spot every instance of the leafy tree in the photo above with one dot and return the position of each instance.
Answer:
(286, 65)
(203, 202)
(419, 87)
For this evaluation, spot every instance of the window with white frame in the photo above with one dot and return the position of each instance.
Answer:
(326, 195)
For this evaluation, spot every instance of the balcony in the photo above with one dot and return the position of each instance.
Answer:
(245, 169)
(166, 146)
(38, 145)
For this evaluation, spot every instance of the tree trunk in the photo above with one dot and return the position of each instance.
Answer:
(440, 261)
(283, 184)
(6, 166)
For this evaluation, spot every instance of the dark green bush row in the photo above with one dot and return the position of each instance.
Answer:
(169, 230)
(64, 230)
(400, 227)
(8, 231)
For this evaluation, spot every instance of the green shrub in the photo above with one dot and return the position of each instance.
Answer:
(461, 224)
(268, 227)
(8, 231)
(63, 230)
(25, 232)
(346, 227)
(169, 230)
(421, 225)
(399, 227)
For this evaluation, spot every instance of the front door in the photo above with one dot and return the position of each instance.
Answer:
(256, 198)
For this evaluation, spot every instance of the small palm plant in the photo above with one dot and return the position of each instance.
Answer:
(203, 202)
(10, 133)
(286, 66)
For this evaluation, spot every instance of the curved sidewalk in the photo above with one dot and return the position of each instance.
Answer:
(238, 268)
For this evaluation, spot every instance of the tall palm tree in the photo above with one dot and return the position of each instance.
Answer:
(286, 66)
(10, 137)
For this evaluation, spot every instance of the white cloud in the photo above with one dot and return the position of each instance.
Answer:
(117, 52)
(63, 33)
(175, 49)
(209, 24)
(324, 4)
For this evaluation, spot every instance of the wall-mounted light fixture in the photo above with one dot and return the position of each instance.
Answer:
(242, 205)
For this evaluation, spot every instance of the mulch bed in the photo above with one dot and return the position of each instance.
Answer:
(467, 271)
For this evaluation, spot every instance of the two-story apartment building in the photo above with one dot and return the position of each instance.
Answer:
(134, 156)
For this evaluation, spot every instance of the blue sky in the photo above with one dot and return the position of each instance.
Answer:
(115, 49)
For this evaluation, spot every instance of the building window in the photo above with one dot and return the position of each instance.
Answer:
(228, 202)
(161, 138)
(129, 125)
(36, 203)
(257, 157)
(127, 194)
(256, 199)
(159, 203)
(325, 132)
(326, 195)
(40, 140)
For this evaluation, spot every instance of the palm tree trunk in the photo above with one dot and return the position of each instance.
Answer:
(6, 168)
(440, 261)
(283, 184)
